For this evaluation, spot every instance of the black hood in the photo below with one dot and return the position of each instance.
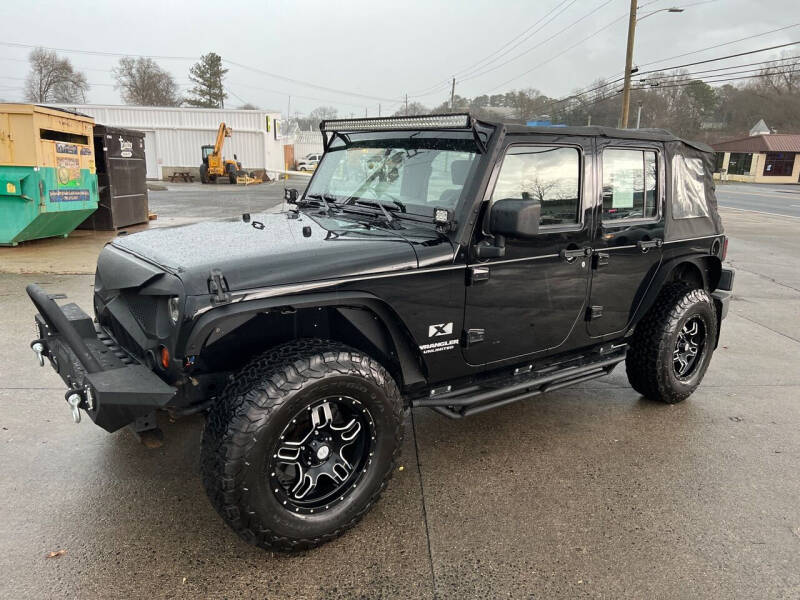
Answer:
(250, 256)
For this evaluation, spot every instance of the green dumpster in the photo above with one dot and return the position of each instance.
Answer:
(48, 184)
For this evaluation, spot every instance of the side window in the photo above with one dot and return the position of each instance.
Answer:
(548, 174)
(629, 184)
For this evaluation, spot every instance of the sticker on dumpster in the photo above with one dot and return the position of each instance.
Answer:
(11, 188)
(68, 170)
(62, 148)
(125, 147)
(69, 195)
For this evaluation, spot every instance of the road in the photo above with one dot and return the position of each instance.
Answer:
(773, 199)
(588, 491)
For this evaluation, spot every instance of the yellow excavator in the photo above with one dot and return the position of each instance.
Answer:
(214, 165)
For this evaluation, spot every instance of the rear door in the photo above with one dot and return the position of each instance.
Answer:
(530, 300)
(629, 234)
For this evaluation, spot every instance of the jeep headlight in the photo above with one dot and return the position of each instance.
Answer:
(174, 305)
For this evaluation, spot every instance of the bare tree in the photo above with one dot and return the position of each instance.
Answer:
(412, 108)
(143, 83)
(53, 79)
(323, 112)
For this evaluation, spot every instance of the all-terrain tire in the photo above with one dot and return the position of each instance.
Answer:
(203, 174)
(245, 423)
(650, 361)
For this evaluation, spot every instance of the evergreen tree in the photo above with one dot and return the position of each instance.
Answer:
(207, 75)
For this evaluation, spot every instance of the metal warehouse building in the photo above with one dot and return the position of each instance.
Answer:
(173, 136)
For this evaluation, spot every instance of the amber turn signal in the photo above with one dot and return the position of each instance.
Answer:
(164, 357)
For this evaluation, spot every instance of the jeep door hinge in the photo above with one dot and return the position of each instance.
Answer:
(473, 336)
(477, 274)
(218, 287)
(594, 312)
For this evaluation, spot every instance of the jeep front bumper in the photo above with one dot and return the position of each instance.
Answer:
(113, 387)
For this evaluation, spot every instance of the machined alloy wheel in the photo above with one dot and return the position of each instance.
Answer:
(322, 454)
(689, 347)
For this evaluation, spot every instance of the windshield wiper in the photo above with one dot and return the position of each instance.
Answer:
(324, 198)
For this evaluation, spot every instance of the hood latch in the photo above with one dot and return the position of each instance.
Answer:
(218, 287)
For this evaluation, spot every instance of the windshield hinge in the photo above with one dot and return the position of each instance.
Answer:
(218, 287)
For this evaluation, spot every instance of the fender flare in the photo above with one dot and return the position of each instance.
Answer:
(221, 320)
(665, 271)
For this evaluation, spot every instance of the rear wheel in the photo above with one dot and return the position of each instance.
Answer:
(672, 345)
(203, 173)
(301, 444)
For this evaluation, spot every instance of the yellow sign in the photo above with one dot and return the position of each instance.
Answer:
(11, 188)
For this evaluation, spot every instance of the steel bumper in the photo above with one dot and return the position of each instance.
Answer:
(102, 379)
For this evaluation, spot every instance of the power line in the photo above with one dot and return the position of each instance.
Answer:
(97, 52)
(520, 55)
(710, 60)
(711, 81)
(429, 90)
(306, 83)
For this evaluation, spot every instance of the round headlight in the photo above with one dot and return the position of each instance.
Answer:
(174, 309)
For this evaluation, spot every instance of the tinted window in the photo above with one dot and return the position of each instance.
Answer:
(779, 164)
(739, 163)
(629, 184)
(548, 174)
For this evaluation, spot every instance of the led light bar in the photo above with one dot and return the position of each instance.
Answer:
(454, 121)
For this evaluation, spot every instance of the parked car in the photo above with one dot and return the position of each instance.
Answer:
(472, 264)
(309, 162)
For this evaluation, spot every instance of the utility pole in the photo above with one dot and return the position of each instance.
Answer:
(639, 116)
(453, 95)
(406, 104)
(365, 112)
(379, 110)
(626, 88)
(589, 121)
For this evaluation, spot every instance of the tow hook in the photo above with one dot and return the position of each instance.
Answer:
(38, 349)
(74, 400)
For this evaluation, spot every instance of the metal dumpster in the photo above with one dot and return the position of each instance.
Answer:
(48, 184)
(121, 177)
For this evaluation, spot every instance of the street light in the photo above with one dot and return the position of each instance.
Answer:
(626, 88)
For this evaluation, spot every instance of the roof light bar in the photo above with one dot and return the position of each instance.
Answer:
(452, 121)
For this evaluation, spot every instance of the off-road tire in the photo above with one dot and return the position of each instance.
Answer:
(248, 418)
(203, 174)
(649, 362)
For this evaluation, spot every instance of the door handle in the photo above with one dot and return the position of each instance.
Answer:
(571, 254)
(645, 245)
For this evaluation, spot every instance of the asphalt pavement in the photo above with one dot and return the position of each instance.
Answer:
(586, 492)
(761, 198)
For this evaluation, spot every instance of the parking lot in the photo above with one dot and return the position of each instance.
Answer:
(589, 491)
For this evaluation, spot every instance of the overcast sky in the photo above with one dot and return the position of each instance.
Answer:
(381, 50)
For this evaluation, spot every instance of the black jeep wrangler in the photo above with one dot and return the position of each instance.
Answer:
(438, 261)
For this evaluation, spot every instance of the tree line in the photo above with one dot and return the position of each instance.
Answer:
(140, 81)
(674, 100)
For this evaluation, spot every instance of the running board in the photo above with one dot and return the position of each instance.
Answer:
(464, 403)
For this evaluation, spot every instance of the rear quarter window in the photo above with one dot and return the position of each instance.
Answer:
(688, 188)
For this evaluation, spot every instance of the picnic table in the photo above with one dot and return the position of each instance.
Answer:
(185, 175)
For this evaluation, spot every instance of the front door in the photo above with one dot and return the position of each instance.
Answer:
(532, 298)
(627, 246)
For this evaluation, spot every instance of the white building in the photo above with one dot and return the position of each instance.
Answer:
(173, 136)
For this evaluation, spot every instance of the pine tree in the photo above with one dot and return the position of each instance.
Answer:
(207, 75)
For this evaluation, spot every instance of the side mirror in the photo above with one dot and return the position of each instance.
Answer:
(514, 218)
(290, 195)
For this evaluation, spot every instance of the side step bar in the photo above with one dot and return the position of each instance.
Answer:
(464, 403)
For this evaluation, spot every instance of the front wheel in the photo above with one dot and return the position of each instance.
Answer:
(672, 345)
(301, 444)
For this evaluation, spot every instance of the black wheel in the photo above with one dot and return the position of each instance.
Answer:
(203, 173)
(301, 444)
(232, 175)
(672, 345)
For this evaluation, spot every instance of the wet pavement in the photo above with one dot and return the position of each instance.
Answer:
(589, 491)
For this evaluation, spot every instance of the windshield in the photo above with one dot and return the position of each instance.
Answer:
(415, 175)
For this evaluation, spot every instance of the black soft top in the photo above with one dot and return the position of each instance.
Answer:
(655, 135)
